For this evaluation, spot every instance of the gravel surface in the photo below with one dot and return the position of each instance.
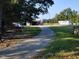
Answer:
(30, 47)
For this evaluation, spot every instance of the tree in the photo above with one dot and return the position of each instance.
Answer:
(32, 8)
(1, 17)
(67, 14)
(25, 10)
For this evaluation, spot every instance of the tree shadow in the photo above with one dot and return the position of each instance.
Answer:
(64, 42)
(34, 46)
(23, 50)
(65, 45)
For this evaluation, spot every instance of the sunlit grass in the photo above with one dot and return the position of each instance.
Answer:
(64, 41)
(64, 44)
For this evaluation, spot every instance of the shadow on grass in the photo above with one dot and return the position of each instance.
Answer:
(64, 42)
(63, 45)
(26, 32)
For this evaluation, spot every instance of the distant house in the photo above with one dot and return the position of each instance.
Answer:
(65, 22)
(34, 22)
(39, 21)
(28, 23)
(17, 24)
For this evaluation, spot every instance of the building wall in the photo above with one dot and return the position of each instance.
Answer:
(66, 22)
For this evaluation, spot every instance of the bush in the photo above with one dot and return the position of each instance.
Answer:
(76, 30)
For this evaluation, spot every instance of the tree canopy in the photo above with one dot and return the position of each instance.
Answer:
(17, 10)
(24, 10)
(21, 10)
(66, 14)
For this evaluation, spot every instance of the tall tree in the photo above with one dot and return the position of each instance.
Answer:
(67, 14)
(1, 17)
(17, 10)
(26, 10)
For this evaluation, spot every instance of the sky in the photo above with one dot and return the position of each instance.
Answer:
(60, 5)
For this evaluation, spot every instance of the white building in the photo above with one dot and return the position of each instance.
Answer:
(28, 24)
(39, 20)
(65, 22)
(17, 24)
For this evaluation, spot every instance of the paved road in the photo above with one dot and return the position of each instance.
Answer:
(30, 47)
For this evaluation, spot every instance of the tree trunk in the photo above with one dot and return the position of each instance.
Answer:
(0, 22)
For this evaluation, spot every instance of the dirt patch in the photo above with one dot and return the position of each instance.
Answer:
(9, 43)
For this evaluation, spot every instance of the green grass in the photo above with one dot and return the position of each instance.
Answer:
(64, 44)
(29, 31)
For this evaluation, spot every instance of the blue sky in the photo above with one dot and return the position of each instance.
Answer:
(60, 5)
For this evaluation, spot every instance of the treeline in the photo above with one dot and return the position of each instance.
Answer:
(66, 14)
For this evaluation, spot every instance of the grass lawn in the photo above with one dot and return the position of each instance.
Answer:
(29, 31)
(64, 46)
(26, 33)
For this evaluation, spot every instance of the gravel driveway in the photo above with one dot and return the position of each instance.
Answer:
(30, 47)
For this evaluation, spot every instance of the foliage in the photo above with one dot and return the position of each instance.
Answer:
(66, 14)
(24, 10)
(21, 10)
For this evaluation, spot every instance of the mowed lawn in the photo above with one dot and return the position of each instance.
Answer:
(25, 33)
(29, 31)
(65, 45)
